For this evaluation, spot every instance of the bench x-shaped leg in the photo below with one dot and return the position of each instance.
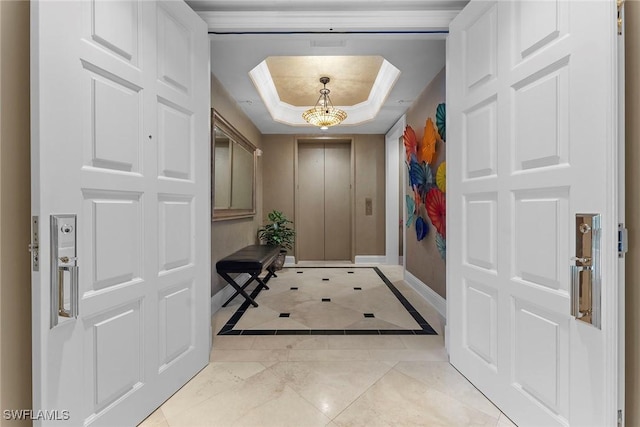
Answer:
(241, 289)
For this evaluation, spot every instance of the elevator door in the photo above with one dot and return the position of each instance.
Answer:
(324, 191)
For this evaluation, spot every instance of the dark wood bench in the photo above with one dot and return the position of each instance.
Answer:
(251, 260)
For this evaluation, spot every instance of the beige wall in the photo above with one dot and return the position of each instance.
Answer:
(230, 235)
(632, 169)
(278, 177)
(278, 183)
(15, 210)
(369, 183)
(422, 258)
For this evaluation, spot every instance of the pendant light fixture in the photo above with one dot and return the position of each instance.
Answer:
(324, 114)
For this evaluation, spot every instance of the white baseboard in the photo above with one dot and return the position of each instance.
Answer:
(446, 338)
(439, 303)
(289, 261)
(225, 293)
(371, 259)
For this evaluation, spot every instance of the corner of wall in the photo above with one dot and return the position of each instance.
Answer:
(15, 208)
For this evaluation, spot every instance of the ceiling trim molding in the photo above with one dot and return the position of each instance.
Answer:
(336, 21)
(306, 5)
(356, 114)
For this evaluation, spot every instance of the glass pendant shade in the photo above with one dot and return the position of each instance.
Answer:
(324, 114)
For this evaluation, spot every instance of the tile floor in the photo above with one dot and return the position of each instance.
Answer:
(331, 300)
(329, 380)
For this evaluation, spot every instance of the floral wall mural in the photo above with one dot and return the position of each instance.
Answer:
(426, 206)
(425, 187)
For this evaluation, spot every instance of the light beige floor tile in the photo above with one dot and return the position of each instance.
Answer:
(255, 317)
(296, 371)
(301, 342)
(327, 355)
(233, 342)
(409, 355)
(397, 316)
(326, 315)
(263, 399)
(221, 317)
(393, 272)
(504, 421)
(330, 386)
(364, 342)
(280, 323)
(156, 419)
(445, 378)
(248, 355)
(283, 299)
(375, 323)
(427, 311)
(423, 342)
(345, 309)
(398, 400)
(289, 409)
(216, 378)
(373, 300)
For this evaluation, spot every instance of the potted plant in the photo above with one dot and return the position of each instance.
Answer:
(278, 233)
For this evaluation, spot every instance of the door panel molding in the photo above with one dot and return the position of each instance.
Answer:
(106, 78)
(536, 124)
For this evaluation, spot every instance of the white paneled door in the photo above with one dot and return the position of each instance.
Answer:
(532, 104)
(120, 107)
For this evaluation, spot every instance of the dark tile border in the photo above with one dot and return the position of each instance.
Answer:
(227, 329)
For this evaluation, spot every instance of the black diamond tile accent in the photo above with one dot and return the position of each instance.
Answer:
(350, 272)
(325, 280)
(326, 299)
(299, 272)
(294, 288)
(285, 314)
(357, 288)
(369, 315)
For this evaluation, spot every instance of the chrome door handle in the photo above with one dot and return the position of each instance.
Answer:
(64, 263)
(585, 273)
(576, 289)
(73, 287)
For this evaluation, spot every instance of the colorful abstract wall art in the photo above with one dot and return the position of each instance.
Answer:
(426, 205)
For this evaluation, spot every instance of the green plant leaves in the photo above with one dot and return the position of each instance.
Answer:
(277, 233)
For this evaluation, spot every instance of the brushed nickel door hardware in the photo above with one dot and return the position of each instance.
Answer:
(63, 264)
(585, 273)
